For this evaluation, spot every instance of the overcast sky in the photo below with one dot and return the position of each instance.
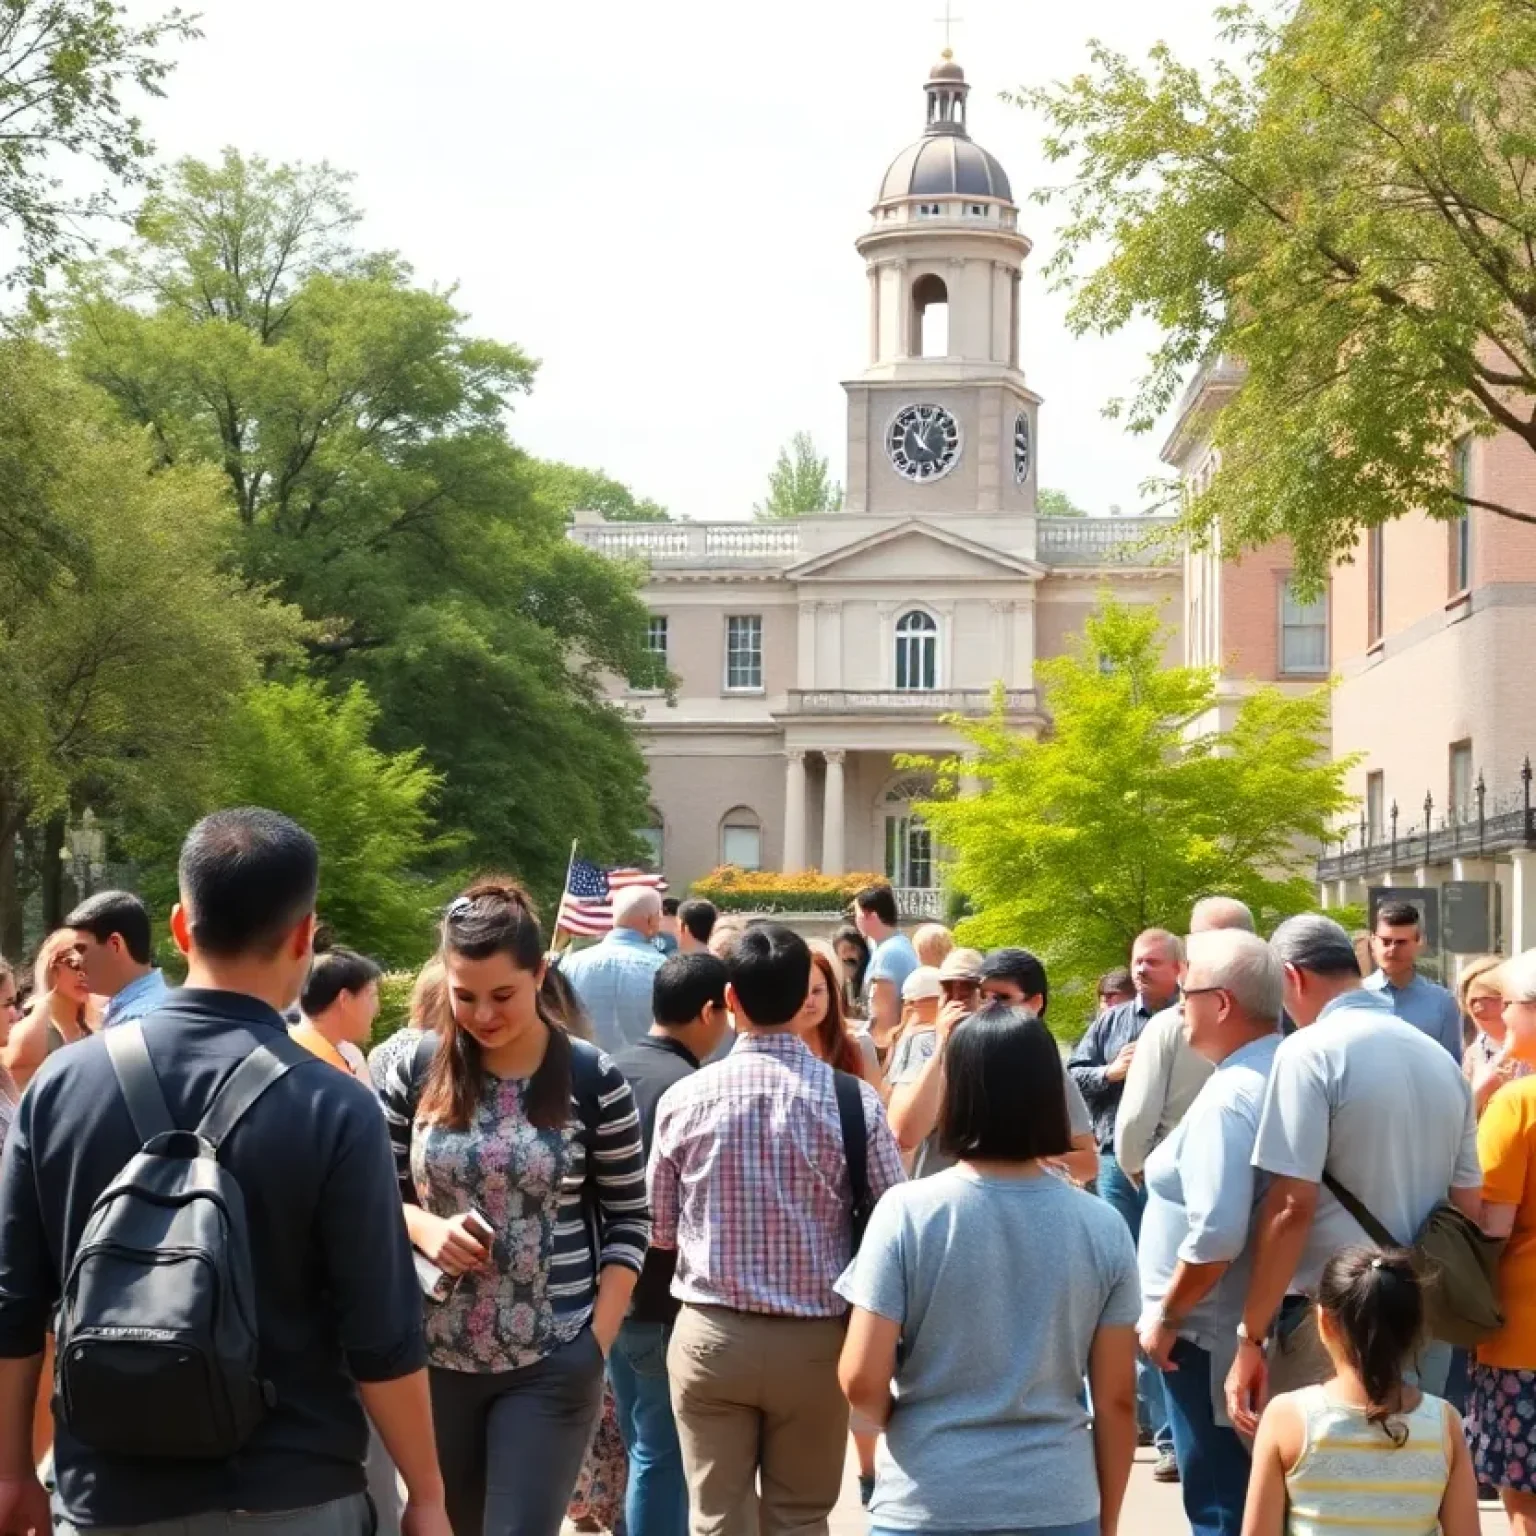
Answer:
(660, 202)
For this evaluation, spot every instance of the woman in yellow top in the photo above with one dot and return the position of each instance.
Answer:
(339, 1003)
(1501, 1411)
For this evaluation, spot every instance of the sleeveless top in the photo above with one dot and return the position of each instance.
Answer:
(1350, 1473)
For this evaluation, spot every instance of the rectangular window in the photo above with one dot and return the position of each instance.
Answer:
(1375, 806)
(656, 635)
(744, 651)
(1376, 576)
(742, 846)
(1303, 632)
(1462, 806)
(1461, 529)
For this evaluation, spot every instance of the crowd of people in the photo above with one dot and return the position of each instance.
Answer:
(657, 1224)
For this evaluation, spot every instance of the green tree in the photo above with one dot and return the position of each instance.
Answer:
(362, 434)
(118, 670)
(65, 67)
(1051, 503)
(571, 489)
(1130, 809)
(1344, 211)
(309, 753)
(800, 484)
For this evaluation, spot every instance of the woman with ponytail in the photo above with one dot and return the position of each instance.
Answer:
(524, 1183)
(1366, 1449)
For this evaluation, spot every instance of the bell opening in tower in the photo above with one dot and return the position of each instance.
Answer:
(930, 316)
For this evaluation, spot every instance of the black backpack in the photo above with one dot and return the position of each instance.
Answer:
(157, 1351)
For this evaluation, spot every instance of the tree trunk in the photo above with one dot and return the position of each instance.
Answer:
(51, 872)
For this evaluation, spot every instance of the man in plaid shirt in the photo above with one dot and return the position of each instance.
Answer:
(749, 1183)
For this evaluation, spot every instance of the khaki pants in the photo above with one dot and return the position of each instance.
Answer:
(757, 1398)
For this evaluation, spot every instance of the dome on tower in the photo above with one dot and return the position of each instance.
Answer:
(946, 161)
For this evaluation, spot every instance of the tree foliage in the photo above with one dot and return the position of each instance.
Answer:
(1345, 210)
(362, 434)
(66, 67)
(1131, 808)
(571, 489)
(800, 483)
(1051, 503)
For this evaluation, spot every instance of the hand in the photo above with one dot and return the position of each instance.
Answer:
(451, 1244)
(1117, 1069)
(421, 1519)
(1157, 1343)
(605, 1334)
(950, 1015)
(24, 1507)
(1247, 1388)
(1486, 1076)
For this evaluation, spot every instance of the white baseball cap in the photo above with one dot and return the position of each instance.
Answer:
(921, 983)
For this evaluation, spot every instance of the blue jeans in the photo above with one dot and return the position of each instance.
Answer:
(1151, 1412)
(1213, 1462)
(656, 1502)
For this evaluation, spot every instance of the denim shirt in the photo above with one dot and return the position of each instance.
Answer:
(1430, 1009)
(614, 980)
(1107, 1036)
(137, 1000)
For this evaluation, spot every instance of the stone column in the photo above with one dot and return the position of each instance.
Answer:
(832, 816)
(794, 812)
(1522, 917)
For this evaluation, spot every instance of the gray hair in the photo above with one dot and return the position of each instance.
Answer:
(1172, 944)
(635, 905)
(1517, 978)
(1213, 912)
(1244, 965)
(1313, 942)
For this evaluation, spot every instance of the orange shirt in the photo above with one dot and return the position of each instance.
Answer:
(1506, 1147)
(316, 1043)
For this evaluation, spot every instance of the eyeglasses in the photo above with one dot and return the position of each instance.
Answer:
(1201, 991)
(1387, 943)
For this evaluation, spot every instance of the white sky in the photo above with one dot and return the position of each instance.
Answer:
(660, 203)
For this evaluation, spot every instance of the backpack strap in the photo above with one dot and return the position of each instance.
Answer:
(259, 1071)
(1373, 1228)
(140, 1086)
(850, 1116)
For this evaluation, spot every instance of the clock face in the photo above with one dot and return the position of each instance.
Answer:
(1021, 449)
(923, 442)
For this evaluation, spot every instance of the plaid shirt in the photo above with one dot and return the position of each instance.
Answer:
(749, 1183)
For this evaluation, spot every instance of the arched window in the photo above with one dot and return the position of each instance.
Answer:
(908, 842)
(930, 316)
(917, 652)
(741, 838)
(653, 835)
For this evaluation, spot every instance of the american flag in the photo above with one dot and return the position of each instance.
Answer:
(587, 908)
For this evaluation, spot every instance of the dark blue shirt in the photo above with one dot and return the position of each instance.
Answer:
(1107, 1036)
(337, 1296)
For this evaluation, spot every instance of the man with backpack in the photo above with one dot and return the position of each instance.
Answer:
(212, 1214)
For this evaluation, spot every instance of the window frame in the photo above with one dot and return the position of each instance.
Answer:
(731, 620)
(1460, 751)
(1376, 584)
(1460, 529)
(657, 622)
(924, 642)
(1283, 666)
(754, 826)
(1375, 807)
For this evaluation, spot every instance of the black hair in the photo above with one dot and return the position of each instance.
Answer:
(247, 876)
(848, 934)
(495, 917)
(770, 969)
(698, 916)
(1118, 981)
(1375, 1300)
(683, 985)
(1022, 968)
(1005, 1091)
(119, 912)
(336, 971)
(669, 906)
(879, 900)
(1395, 914)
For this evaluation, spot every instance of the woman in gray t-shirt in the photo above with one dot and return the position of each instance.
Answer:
(988, 1292)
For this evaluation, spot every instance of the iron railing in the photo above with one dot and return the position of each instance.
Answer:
(904, 701)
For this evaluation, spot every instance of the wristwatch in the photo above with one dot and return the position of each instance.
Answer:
(1247, 1338)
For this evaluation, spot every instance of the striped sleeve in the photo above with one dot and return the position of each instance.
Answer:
(618, 1157)
(397, 1093)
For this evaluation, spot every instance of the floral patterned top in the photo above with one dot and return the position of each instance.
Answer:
(562, 1203)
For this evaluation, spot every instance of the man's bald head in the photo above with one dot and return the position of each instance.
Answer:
(1215, 912)
(638, 907)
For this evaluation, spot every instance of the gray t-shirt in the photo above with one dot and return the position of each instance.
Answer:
(914, 1051)
(999, 1285)
(1383, 1108)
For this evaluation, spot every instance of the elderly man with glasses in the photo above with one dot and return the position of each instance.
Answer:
(1201, 1192)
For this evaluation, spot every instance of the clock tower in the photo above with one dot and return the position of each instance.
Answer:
(941, 419)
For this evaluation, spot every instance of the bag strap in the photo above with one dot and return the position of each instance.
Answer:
(1374, 1229)
(850, 1115)
(140, 1086)
(259, 1071)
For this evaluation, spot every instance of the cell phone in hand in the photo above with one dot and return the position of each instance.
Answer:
(479, 1227)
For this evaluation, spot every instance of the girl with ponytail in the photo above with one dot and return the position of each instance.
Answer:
(524, 1182)
(1367, 1448)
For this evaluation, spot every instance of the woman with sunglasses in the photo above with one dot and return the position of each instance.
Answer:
(60, 1011)
(1487, 1064)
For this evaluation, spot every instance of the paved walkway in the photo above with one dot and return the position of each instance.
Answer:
(1152, 1509)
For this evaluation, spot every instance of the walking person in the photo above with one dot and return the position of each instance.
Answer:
(991, 1433)
(750, 1182)
(1396, 942)
(1100, 1064)
(892, 960)
(114, 939)
(1201, 1192)
(613, 978)
(336, 1317)
(520, 1165)
(1363, 1449)
(691, 1023)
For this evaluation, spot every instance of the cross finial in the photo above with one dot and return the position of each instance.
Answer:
(949, 21)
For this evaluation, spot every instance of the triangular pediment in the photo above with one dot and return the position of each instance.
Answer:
(913, 548)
